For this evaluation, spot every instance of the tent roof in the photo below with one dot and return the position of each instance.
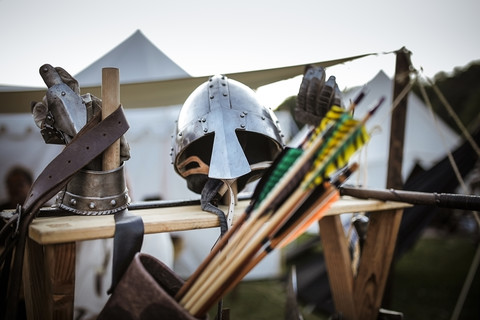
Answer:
(138, 60)
(149, 78)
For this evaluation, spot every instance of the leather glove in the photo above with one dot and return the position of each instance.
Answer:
(316, 96)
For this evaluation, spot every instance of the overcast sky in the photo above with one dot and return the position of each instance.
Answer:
(208, 37)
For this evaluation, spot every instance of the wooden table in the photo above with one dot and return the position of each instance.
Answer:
(49, 273)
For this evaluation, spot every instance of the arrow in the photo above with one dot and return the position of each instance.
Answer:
(265, 222)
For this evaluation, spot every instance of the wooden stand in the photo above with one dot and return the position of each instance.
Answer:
(50, 279)
(360, 297)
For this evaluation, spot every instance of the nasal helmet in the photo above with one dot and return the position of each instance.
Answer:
(223, 132)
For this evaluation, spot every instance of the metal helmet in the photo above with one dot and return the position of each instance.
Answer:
(223, 132)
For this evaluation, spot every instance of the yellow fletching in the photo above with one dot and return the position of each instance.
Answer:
(336, 152)
(332, 116)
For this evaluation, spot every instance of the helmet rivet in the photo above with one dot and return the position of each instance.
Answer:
(113, 202)
(73, 202)
(225, 94)
(63, 93)
(205, 130)
(242, 116)
(180, 134)
(91, 205)
(203, 119)
(263, 118)
(211, 97)
(242, 126)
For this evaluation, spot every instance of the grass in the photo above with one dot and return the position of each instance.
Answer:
(426, 284)
(428, 280)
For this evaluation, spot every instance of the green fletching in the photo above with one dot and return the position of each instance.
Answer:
(282, 167)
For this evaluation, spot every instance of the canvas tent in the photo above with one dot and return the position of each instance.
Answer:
(427, 139)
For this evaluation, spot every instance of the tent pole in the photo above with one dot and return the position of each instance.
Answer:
(369, 306)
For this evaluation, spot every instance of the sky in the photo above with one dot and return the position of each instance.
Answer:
(209, 37)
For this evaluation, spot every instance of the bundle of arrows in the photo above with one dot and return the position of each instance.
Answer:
(296, 191)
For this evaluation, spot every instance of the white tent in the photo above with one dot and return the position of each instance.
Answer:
(138, 60)
(427, 139)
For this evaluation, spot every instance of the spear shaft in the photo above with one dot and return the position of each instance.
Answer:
(442, 200)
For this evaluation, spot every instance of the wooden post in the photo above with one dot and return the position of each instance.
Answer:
(49, 278)
(110, 103)
(397, 124)
(383, 228)
(337, 259)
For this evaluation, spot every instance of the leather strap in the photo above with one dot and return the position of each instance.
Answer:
(89, 143)
(127, 242)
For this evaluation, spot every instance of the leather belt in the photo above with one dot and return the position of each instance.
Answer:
(89, 143)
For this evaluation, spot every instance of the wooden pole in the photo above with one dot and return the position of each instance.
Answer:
(397, 126)
(383, 228)
(110, 103)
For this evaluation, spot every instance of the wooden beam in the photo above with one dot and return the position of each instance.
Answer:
(337, 258)
(47, 230)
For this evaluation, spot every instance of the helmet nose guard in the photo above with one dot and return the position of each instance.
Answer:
(226, 147)
(222, 132)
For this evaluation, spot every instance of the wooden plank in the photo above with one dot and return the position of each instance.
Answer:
(375, 262)
(47, 230)
(49, 280)
(339, 268)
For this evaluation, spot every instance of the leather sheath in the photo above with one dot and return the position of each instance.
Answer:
(146, 292)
